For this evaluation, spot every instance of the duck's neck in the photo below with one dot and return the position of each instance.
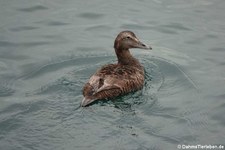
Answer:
(125, 58)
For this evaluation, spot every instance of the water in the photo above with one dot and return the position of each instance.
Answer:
(48, 50)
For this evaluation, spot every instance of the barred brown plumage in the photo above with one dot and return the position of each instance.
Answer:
(113, 80)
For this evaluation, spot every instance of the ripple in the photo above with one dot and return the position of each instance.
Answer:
(33, 8)
(175, 79)
(82, 49)
(38, 108)
(176, 26)
(9, 125)
(136, 116)
(165, 30)
(155, 79)
(6, 89)
(52, 22)
(23, 28)
(218, 115)
(22, 44)
(135, 27)
(31, 44)
(76, 78)
(11, 116)
(222, 96)
(6, 44)
(17, 109)
(10, 55)
(211, 36)
(99, 28)
(90, 15)
(58, 64)
(197, 119)
(222, 64)
(66, 83)
(57, 23)
(217, 49)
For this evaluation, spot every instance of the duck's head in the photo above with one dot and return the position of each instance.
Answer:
(126, 40)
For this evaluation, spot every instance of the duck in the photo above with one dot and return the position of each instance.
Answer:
(123, 77)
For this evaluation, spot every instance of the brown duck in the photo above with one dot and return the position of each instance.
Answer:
(113, 80)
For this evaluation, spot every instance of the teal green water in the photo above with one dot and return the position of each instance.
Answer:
(49, 49)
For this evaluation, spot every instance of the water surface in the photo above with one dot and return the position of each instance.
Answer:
(49, 49)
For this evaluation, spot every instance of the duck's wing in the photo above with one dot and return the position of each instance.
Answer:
(110, 81)
(97, 84)
(99, 87)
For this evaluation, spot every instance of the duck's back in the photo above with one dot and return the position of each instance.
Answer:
(114, 80)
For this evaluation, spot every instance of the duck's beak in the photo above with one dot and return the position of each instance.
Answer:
(139, 44)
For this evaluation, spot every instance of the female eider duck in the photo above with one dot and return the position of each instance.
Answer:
(113, 80)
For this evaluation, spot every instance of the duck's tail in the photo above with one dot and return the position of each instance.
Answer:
(86, 101)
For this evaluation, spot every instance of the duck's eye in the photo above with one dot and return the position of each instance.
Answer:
(128, 37)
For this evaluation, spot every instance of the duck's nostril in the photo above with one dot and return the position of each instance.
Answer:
(143, 46)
